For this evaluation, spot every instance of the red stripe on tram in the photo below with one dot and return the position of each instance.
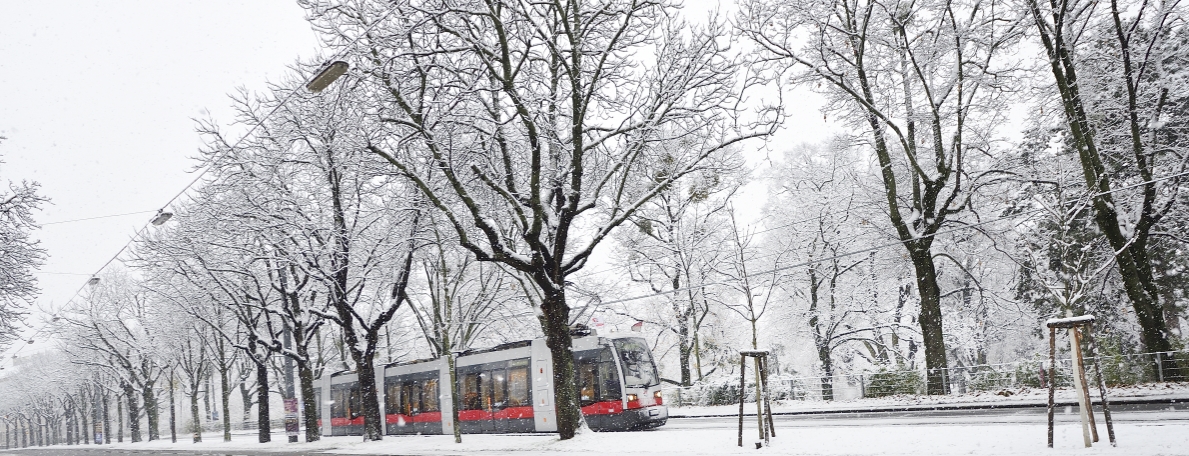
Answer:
(510, 413)
(473, 415)
(346, 422)
(514, 413)
(603, 408)
(427, 417)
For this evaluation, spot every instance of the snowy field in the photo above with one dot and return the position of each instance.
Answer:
(1011, 439)
(1160, 431)
(1168, 434)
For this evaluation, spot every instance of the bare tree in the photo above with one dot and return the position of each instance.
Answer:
(20, 255)
(117, 327)
(524, 125)
(676, 248)
(1129, 56)
(927, 81)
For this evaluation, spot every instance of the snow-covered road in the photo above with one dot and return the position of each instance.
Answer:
(999, 432)
(1122, 413)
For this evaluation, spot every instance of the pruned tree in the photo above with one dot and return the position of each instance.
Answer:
(751, 277)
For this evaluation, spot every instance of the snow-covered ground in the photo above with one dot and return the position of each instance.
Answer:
(1021, 396)
(1151, 433)
(1169, 438)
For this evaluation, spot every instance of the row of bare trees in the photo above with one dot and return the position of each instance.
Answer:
(459, 179)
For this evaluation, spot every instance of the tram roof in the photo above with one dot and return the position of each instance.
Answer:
(500, 347)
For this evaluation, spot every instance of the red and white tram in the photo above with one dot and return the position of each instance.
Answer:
(505, 389)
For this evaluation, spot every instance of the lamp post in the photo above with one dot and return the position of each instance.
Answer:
(161, 217)
(327, 76)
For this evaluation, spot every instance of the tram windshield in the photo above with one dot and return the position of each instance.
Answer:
(638, 369)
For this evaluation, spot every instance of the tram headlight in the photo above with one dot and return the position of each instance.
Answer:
(633, 397)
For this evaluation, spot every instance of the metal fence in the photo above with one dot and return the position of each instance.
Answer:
(1005, 378)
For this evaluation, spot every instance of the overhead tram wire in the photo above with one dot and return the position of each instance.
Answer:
(210, 164)
(93, 218)
(884, 246)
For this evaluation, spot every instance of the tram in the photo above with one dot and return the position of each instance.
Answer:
(504, 389)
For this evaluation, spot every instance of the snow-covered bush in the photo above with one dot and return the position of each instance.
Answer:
(888, 382)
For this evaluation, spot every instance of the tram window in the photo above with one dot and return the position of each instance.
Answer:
(407, 400)
(470, 392)
(587, 392)
(429, 396)
(609, 380)
(354, 409)
(338, 406)
(485, 390)
(391, 396)
(518, 387)
(318, 401)
(597, 376)
(499, 388)
(415, 396)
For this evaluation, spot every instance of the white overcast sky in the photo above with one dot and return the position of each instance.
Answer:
(98, 101)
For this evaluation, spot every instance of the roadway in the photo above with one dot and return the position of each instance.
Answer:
(1168, 412)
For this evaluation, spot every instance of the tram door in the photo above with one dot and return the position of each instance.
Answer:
(431, 421)
(499, 399)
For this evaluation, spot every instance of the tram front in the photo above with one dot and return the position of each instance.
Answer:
(619, 387)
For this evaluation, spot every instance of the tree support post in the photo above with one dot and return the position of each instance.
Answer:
(763, 405)
(1106, 410)
(1078, 327)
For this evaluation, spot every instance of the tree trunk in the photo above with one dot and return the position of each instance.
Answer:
(263, 420)
(455, 404)
(133, 413)
(309, 403)
(225, 395)
(195, 417)
(246, 396)
(823, 354)
(557, 337)
(152, 411)
(69, 425)
(173, 419)
(106, 420)
(87, 433)
(684, 353)
(206, 398)
(930, 320)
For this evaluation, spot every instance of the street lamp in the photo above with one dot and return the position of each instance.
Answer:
(93, 281)
(327, 76)
(161, 217)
